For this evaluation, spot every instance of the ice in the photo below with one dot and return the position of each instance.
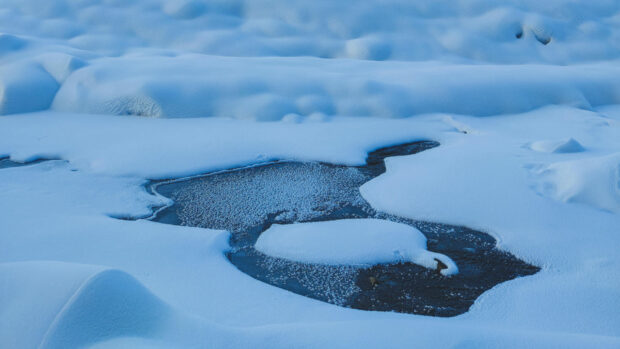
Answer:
(297, 191)
(352, 242)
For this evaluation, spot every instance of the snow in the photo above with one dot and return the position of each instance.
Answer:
(351, 241)
(468, 30)
(523, 95)
(563, 146)
(108, 144)
(263, 60)
(593, 181)
(187, 270)
(270, 88)
(487, 180)
(88, 304)
(25, 87)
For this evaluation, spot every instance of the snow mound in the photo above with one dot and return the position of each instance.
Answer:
(270, 89)
(552, 31)
(351, 241)
(592, 181)
(25, 87)
(60, 65)
(80, 305)
(564, 146)
(108, 304)
(10, 43)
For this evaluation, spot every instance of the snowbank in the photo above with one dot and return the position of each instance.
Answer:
(351, 241)
(270, 88)
(152, 148)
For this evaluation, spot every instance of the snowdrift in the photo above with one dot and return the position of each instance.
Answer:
(592, 181)
(270, 89)
(66, 305)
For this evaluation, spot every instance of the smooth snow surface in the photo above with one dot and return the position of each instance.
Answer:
(270, 88)
(351, 241)
(594, 181)
(523, 95)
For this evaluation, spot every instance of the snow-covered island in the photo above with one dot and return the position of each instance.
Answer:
(352, 241)
(100, 99)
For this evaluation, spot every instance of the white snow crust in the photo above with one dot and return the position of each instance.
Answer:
(523, 95)
(352, 242)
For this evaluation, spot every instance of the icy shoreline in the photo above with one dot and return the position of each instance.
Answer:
(250, 201)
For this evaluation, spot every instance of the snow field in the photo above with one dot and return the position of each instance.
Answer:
(523, 96)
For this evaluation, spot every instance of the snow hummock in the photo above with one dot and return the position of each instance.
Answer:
(570, 145)
(592, 181)
(272, 88)
(25, 87)
(88, 304)
(351, 241)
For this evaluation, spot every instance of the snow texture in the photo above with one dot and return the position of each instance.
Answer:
(351, 241)
(268, 59)
(523, 95)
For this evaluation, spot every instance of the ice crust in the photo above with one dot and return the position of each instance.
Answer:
(285, 188)
(352, 242)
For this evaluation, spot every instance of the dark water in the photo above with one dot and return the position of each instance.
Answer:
(247, 201)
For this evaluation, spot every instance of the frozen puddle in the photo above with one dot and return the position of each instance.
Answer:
(249, 201)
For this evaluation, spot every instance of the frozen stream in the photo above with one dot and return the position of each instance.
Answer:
(247, 201)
